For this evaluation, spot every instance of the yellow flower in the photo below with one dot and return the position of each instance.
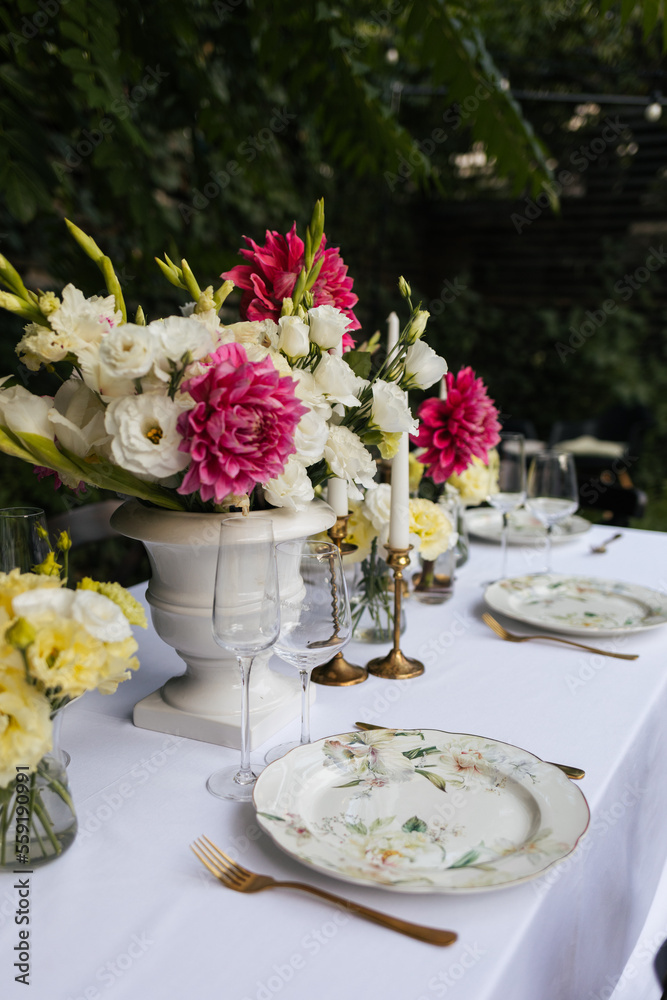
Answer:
(389, 444)
(14, 583)
(416, 471)
(360, 532)
(67, 660)
(129, 605)
(432, 526)
(20, 634)
(25, 720)
(478, 480)
(49, 567)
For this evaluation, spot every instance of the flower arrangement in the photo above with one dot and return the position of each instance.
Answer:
(55, 644)
(186, 412)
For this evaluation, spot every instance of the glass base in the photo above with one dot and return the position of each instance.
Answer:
(223, 783)
(277, 752)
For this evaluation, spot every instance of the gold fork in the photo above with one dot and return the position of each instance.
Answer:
(511, 637)
(234, 876)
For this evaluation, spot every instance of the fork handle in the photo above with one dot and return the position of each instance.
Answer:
(591, 649)
(429, 934)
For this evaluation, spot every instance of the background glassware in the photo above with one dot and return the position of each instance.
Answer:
(552, 491)
(246, 620)
(20, 545)
(511, 491)
(315, 622)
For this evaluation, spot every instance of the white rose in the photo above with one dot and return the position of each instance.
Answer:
(423, 367)
(390, 411)
(292, 488)
(128, 351)
(378, 506)
(348, 459)
(44, 603)
(25, 413)
(144, 439)
(310, 437)
(100, 616)
(327, 326)
(41, 345)
(336, 380)
(293, 339)
(77, 418)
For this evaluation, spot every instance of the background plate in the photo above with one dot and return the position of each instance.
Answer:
(486, 523)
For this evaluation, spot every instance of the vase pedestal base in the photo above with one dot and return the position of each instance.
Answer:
(154, 713)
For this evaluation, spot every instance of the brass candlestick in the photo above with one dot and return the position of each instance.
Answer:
(338, 672)
(396, 665)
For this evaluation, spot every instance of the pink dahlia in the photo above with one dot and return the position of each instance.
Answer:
(272, 272)
(452, 430)
(241, 429)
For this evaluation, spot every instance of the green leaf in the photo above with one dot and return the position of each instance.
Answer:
(276, 819)
(419, 752)
(414, 825)
(349, 784)
(466, 859)
(358, 827)
(359, 362)
(435, 779)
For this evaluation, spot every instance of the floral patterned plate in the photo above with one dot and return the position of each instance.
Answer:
(420, 810)
(523, 528)
(578, 605)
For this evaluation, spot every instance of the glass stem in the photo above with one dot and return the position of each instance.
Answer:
(305, 706)
(503, 546)
(245, 775)
(548, 552)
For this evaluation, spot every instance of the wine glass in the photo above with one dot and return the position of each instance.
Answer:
(511, 491)
(552, 491)
(20, 543)
(315, 617)
(246, 620)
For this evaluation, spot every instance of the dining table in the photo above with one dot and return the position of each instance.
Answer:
(128, 912)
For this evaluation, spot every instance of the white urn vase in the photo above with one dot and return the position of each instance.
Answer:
(204, 703)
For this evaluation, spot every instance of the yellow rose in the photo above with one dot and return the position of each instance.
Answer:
(65, 658)
(416, 471)
(25, 720)
(14, 583)
(360, 532)
(430, 523)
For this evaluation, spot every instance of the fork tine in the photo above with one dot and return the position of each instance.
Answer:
(196, 851)
(494, 625)
(224, 871)
(226, 861)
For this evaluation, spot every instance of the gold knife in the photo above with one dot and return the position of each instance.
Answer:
(572, 772)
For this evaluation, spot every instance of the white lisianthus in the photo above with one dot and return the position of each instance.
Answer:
(178, 336)
(423, 367)
(84, 321)
(25, 413)
(292, 488)
(255, 353)
(417, 326)
(348, 459)
(127, 352)
(309, 393)
(336, 380)
(310, 437)
(77, 418)
(144, 439)
(378, 506)
(390, 411)
(327, 326)
(41, 345)
(293, 339)
(101, 617)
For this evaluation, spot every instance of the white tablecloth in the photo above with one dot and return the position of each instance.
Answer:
(129, 913)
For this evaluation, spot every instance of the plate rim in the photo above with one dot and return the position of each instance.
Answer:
(573, 629)
(513, 539)
(424, 889)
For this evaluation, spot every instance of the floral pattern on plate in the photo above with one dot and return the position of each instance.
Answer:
(578, 605)
(358, 807)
